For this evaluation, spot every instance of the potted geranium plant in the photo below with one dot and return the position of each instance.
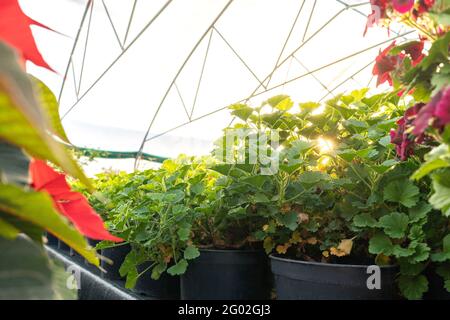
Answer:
(260, 157)
(368, 213)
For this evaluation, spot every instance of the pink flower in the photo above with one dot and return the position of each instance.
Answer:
(425, 115)
(402, 6)
(442, 111)
(435, 113)
(378, 12)
(405, 142)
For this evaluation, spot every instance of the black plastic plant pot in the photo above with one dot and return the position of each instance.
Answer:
(62, 246)
(116, 255)
(167, 287)
(75, 255)
(51, 240)
(301, 280)
(227, 275)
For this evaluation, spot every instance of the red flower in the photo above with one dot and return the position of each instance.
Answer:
(71, 204)
(15, 30)
(404, 141)
(384, 65)
(414, 50)
(403, 6)
(435, 113)
(425, 5)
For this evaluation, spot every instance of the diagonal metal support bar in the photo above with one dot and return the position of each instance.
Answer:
(182, 100)
(129, 23)
(306, 41)
(312, 74)
(347, 79)
(88, 5)
(309, 20)
(201, 73)
(85, 50)
(177, 75)
(279, 85)
(287, 39)
(112, 24)
(239, 57)
(74, 78)
(118, 58)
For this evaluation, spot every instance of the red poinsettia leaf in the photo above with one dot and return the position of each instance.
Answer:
(85, 219)
(15, 30)
(71, 204)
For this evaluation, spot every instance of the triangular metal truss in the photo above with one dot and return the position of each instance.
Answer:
(213, 31)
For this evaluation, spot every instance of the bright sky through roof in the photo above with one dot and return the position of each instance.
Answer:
(115, 110)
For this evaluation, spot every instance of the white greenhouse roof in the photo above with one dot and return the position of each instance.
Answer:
(163, 72)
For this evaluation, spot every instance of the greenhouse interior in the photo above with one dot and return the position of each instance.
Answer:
(225, 150)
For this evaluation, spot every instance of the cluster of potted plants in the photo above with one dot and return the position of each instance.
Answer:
(348, 199)
(339, 202)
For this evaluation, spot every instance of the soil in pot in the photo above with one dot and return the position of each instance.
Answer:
(116, 255)
(301, 280)
(227, 275)
(166, 287)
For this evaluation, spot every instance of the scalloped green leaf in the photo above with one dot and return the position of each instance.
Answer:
(394, 224)
(401, 191)
(413, 287)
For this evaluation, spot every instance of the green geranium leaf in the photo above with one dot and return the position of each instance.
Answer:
(274, 101)
(285, 104)
(179, 268)
(400, 252)
(132, 276)
(402, 191)
(184, 232)
(364, 220)
(158, 270)
(444, 255)
(394, 224)
(413, 287)
(191, 252)
(410, 269)
(380, 243)
(422, 252)
(311, 177)
(447, 285)
(290, 220)
(441, 198)
(241, 111)
(419, 211)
